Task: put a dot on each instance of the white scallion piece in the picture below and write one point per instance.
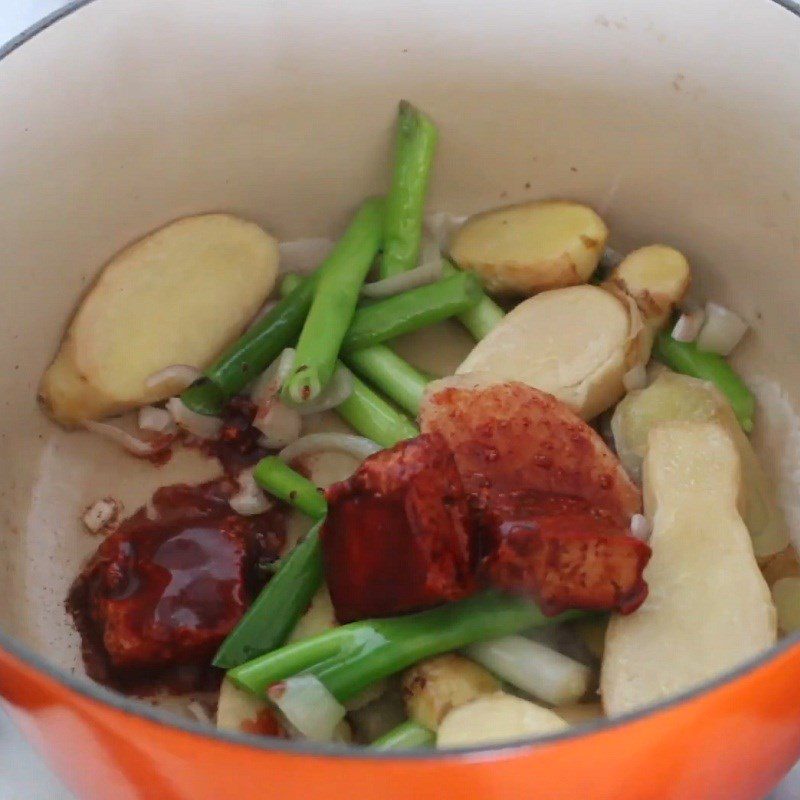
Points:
(269, 383)
(688, 325)
(250, 499)
(101, 514)
(441, 225)
(722, 330)
(308, 706)
(280, 425)
(357, 446)
(428, 271)
(534, 668)
(158, 420)
(134, 445)
(175, 377)
(640, 527)
(200, 425)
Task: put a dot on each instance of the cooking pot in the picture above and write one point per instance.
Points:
(679, 122)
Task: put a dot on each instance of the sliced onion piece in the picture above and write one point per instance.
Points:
(640, 527)
(308, 706)
(200, 425)
(722, 330)
(786, 596)
(174, 377)
(441, 226)
(199, 712)
(303, 256)
(134, 445)
(101, 514)
(279, 424)
(357, 446)
(688, 325)
(335, 393)
(269, 383)
(635, 378)
(534, 668)
(250, 499)
(429, 271)
(158, 420)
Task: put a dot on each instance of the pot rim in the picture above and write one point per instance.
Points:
(134, 707)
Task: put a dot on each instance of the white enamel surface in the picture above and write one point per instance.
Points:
(678, 122)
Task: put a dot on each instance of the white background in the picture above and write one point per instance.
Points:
(22, 774)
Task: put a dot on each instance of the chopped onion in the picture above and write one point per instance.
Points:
(101, 514)
(640, 527)
(303, 256)
(635, 378)
(722, 331)
(356, 446)
(441, 226)
(199, 712)
(269, 383)
(156, 419)
(134, 445)
(335, 393)
(534, 668)
(280, 424)
(250, 499)
(200, 425)
(786, 596)
(175, 377)
(308, 706)
(428, 271)
(688, 325)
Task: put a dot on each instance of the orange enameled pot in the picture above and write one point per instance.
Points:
(678, 121)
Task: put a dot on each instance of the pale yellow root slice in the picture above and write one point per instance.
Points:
(708, 609)
(319, 617)
(656, 277)
(236, 708)
(673, 397)
(177, 296)
(574, 343)
(526, 248)
(496, 718)
(433, 688)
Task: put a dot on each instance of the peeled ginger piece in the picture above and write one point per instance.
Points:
(708, 608)
(573, 343)
(526, 248)
(496, 718)
(177, 296)
(673, 397)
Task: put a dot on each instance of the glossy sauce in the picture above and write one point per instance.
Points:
(165, 590)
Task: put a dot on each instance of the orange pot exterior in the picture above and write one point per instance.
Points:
(734, 742)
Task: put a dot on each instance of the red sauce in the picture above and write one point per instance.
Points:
(237, 446)
(160, 594)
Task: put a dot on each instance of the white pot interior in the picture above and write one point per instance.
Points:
(678, 122)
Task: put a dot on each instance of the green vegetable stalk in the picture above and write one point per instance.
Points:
(280, 480)
(374, 417)
(405, 204)
(335, 296)
(686, 358)
(405, 736)
(251, 354)
(396, 378)
(483, 316)
(350, 658)
(286, 597)
(411, 310)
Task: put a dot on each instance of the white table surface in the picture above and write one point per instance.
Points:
(22, 774)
